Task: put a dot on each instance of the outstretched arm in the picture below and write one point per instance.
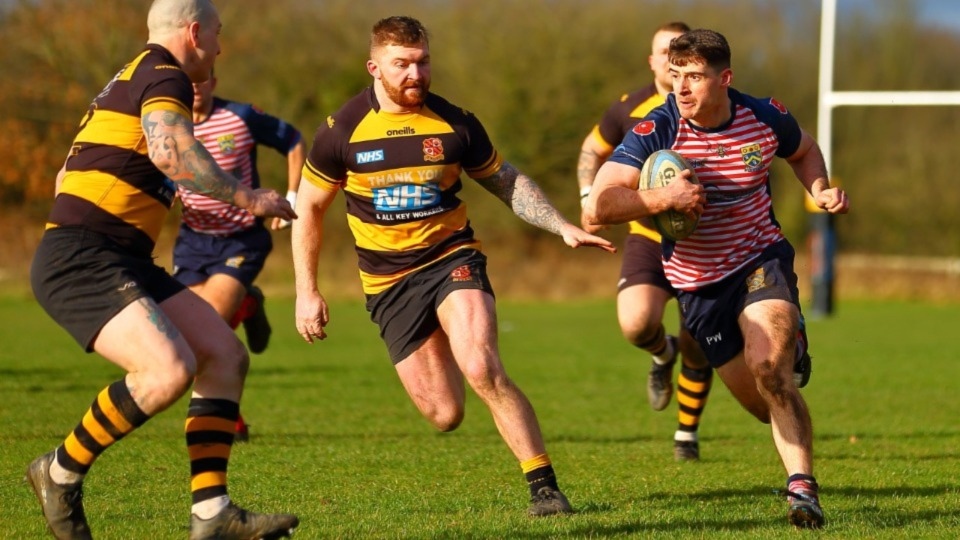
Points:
(174, 150)
(527, 200)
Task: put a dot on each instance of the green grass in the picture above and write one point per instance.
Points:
(335, 439)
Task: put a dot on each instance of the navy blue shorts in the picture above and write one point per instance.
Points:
(712, 312)
(197, 256)
(407, 311)
(642, 264)
(82, 279)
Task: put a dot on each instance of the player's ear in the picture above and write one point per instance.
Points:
(726, 77)
(193, 32)
(373, 69)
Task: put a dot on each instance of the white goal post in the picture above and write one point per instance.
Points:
(822, 240)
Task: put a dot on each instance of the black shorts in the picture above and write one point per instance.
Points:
(711, 313)
(197, 256)
(83, 279)
(642, 264)
(407, 311)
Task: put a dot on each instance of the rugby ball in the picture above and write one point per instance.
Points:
(661, 168)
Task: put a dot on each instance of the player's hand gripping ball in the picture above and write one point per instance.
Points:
(661, 168)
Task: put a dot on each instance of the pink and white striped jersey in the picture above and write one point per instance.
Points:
(732, 162)
(231, 135)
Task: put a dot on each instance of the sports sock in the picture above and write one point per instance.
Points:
(659, 346)
(804, 485)
(693, 387)
(804, 482)
(112, 416)
(539, 473)
(209, 430)
(247, 308)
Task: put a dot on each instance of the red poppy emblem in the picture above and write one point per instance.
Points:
(645, 128)
(779, 106)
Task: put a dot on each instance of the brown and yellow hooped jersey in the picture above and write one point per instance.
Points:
(110, 185)
(400, 174)
(617, 122)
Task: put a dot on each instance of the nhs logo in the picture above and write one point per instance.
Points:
(369, 156)
(406, 197)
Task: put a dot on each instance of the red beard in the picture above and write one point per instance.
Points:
(408, 96)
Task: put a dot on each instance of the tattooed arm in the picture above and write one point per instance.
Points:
(527, 200)
(524, 197)
(174, 150)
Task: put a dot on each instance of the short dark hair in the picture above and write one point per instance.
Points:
(701, 45)
(398, 30)
(673, 26)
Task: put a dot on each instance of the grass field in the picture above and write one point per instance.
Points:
(335, 440)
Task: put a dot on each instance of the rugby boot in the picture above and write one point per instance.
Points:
(235, 523)
(242, 431)
(660, 379)
(686, 450)
(62, 503)
(805, 511)
(256, 326)
(549, 501)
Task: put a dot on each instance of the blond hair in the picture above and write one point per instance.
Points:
(167, 16)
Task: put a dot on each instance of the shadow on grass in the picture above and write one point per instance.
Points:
(30, 372)
(864, 437)
(865, 512)
(593, 439)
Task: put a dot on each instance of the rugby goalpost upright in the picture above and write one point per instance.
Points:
(822, 238)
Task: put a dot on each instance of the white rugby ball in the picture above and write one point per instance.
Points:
(661, 168)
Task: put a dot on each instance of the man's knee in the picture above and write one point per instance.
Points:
(446, 418)
(485, 378)
(163, 386)
(223, 358)
(770, 379)
(639, 326)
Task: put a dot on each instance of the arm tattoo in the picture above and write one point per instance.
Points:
(524, 197)
(192, 166)
(156, 317)
(587, 167)
(206, 176)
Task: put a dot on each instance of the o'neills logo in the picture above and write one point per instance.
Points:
(405, 131)
(432, 149)
(461, 273)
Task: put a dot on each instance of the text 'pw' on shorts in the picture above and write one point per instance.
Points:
(711, 313)
(407, 311)
(197, 256)
(83, 279)
(642, 264)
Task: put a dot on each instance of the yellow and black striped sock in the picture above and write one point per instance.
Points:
(209, 429)
(539, 473)
(693, 387)
(112, 416)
